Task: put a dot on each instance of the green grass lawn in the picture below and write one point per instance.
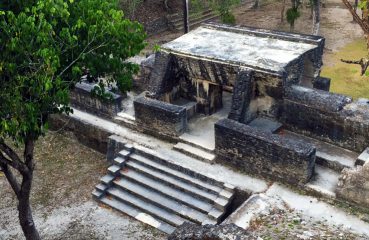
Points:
(345, 77)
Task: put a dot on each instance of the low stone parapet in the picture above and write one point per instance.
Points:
(160, 118)
(264, 154)
(330, 117)
(81, 98)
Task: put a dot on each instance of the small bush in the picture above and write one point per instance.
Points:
(228, 18)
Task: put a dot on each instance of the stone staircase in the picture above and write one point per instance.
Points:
(175, 21)
(161, 193)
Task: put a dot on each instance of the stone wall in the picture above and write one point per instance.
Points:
(160, 118)
(81, 98)
(353, 185)
(241, 98)
(329, 117)
(322, 83)
(89, 135)
(264, 154)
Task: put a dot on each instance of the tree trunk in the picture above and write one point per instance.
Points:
(282, 11)
(24, 208)
(186, 24)
(25, 213)
(355, 8)
(316, 17)
(256, 4)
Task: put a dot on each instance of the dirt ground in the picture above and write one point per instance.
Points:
(65, 175)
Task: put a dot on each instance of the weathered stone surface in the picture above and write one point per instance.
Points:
(264, 154)
(254, 207)
(162, 78)
(322, 83)
(353, 185)
(318, 99)
(115, 144)
(327, 116)
(82, 99)
(160, 118)
(241, 98)
(189, 231)
(244, 46)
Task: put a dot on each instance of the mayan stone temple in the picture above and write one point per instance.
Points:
(220, 121)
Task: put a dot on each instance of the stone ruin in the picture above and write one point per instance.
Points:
(248, 98)
(277, 92)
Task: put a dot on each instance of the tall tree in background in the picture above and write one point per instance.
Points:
(364, 24)
(45, 44)
(315, 5)
(293, 13)
(283, 10)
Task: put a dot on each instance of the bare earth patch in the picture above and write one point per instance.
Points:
(65, 175)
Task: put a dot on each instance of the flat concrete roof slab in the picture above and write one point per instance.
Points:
(240, 48)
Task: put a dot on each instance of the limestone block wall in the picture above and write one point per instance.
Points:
(160, 118)
(330, 117)
(82, 99)
(353, 185)
(262, 153)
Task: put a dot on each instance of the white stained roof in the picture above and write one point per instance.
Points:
(239, 48)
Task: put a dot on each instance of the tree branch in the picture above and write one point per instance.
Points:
(29, 147)
(364, 25)
(363, 62)
(15, 161)
(9, 175)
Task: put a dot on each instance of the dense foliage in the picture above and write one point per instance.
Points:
(45, 45)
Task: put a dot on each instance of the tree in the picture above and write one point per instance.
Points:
(315, 6)
(283, 10)
(293, 13)
(45, 45)
(364, 24)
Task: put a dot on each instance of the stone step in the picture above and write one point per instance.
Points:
(165, 158)
(161, 200)
(146, 207)
(324, 182)
(169, 192)
(187, 139)
(194, 152)
(328, 155)
(139, 215)
(125, 120)
(176, 174)
(172, 182)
